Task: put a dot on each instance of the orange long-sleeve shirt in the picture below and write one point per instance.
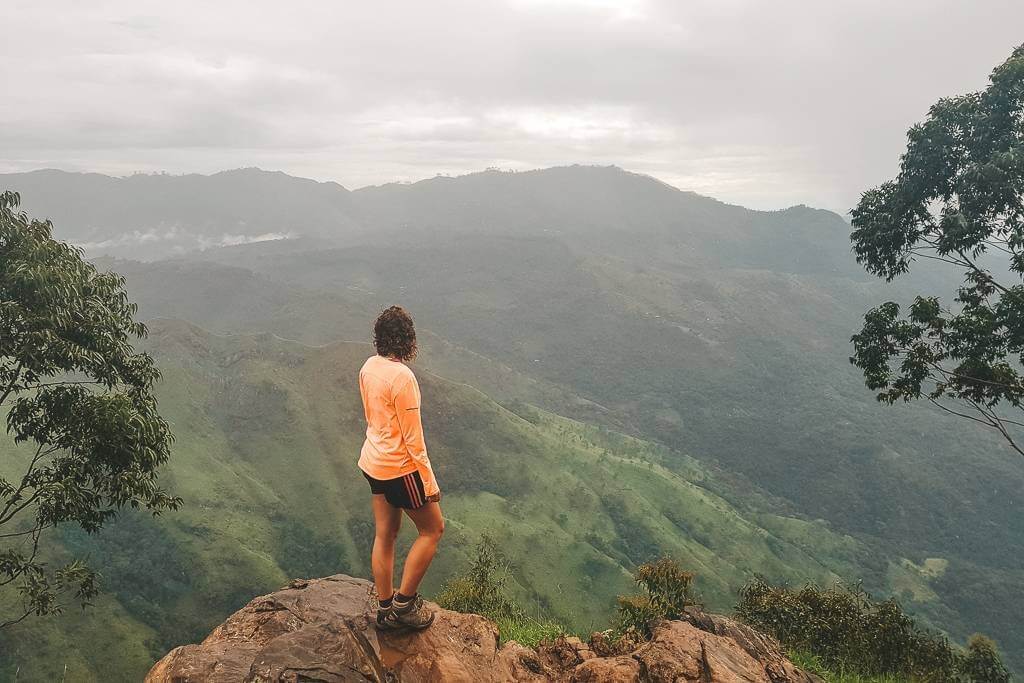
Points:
(394, 445)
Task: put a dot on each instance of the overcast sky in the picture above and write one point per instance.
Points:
(765, 104)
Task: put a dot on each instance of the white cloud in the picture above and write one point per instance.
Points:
(177, 239)
(234, 240)
(764, 104)
(616, 9)
(583, 124)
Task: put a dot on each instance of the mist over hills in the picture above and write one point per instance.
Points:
(603, 313)
(156, 216)
(153, 216)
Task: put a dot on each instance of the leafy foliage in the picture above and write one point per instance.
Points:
(982, 661)
(482, 591)
(668, 590)
(81, 408)
(959, 199)
(845, 630)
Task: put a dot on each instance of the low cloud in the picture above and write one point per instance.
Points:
(176, 240)
(235, 240)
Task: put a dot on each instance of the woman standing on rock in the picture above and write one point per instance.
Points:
(394, 462)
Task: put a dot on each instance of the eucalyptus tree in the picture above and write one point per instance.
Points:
(958, 199)
(85, 439)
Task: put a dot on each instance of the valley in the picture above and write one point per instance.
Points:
(612, 370)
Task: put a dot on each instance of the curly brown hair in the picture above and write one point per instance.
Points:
(394, 334)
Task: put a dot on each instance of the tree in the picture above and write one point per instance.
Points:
(982, 663)
(958, 199)
(79, 405)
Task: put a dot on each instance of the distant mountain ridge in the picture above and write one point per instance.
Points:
(154, 216)
(157, 216)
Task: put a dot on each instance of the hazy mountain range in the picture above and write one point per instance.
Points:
(680, 362)
(157, 216)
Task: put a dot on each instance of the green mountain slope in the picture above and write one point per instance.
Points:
(748, 367)
(614, 299)
(267, 436)
(729, 345)
(757, 385)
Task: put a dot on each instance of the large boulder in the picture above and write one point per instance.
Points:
(321, 630)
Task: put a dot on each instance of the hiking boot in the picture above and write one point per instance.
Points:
(412, 615)
(382, 622)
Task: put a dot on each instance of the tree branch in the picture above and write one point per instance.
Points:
(33, 530)
(23, 485)
(922, 254)
(981, 271)
(27, 563)
(61, 384)
(1000, 247)
(996, 422)
(957, 375)
(5, 517)
(957, 413)
(12, 622)
(14, 380)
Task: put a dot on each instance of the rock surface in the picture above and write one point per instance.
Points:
(320, 630)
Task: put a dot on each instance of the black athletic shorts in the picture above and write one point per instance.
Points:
(404, 492)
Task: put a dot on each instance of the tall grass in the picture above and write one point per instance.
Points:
(812, 664)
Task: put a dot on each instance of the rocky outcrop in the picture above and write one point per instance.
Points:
(320, 630)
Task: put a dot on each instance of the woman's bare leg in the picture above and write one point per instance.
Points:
(388, 520)
(430, 524)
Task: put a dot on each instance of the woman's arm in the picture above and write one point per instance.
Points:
(407, 404)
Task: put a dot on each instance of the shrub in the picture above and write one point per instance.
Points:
(668, 590)
(845, 630)
(669, 587)
(481, 590)
(982, 662)
(636, 612)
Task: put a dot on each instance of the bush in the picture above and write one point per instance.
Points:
(982, 662)
(668, 590)
(636, 612)
(482, 591)
(669, 587)
(845, 630)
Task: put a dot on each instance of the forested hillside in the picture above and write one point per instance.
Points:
(591, 303)
(266, 430)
